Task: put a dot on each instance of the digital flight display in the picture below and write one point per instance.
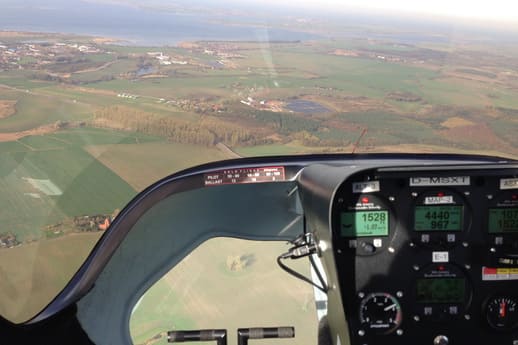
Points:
(364, 223)
(438, 218)
(503, 220)
(441, 290)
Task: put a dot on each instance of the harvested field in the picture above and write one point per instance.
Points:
(454, 122)
(7, 108)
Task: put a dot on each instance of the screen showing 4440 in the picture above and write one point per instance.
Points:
(364, 223)
(438, 218)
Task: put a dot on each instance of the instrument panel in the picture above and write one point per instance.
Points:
(428, 256)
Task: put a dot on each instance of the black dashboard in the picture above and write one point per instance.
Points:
(416, 249)
(428, 255)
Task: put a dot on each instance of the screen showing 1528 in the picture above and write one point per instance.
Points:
(364, 223)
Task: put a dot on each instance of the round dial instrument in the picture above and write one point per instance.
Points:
(502, 313)
(380, 313)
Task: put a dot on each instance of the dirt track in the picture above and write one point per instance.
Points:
(35, 131)
(7, 108)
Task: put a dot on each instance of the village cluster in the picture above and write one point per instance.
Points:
(17, 55)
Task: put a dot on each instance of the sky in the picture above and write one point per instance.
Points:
(487, 9)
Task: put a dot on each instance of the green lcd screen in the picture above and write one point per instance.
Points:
(441, 290)
(503, 220)
(438, 218)
(364, 223)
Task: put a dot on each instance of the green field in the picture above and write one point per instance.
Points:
(140, 165)
(170, 88)
(34, 110)
(99, 179)
(114, 70)
(12, 147)
(21, 80)
(195, 294)
(95, 136)
(401, 130)
(33, 274)
(101, 98)
(272, 150)
(96, 171)
(86, 185)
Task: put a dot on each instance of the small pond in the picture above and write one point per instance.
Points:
(306, 107)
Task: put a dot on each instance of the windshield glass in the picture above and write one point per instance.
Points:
(100, 98)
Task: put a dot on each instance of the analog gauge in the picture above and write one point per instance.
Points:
(502, 313)
(380, 313)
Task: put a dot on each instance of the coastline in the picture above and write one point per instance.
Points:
(15, 34)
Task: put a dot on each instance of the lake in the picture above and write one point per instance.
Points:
(133, 24)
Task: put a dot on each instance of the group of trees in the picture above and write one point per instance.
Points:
(210, 130)
(206, 131)
(42, 75)
(310, 131)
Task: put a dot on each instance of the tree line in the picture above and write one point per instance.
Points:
(206, 131)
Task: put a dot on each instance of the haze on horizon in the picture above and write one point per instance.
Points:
(476, 9)
(493, 11)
